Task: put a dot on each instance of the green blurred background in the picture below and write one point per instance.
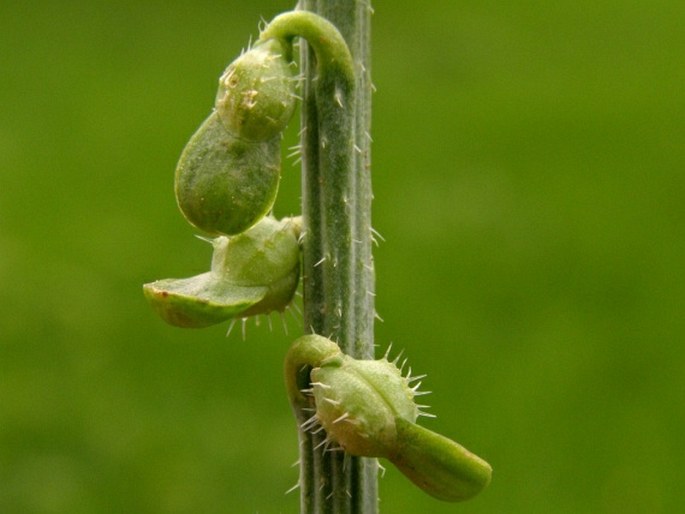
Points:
(528, 173)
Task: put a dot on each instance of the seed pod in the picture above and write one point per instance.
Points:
(368, 408)
(225, 184)
(369, 394)
(256, 96)
(255, 272)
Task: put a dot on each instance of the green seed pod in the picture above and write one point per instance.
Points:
(256, 96)
(225, 184)
(368, 408)
(368, 395)
(252, 273)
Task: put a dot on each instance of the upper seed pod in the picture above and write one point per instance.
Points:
(255, 272)
(225, 184)
(256, 96)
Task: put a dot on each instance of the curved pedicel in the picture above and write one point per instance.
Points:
(333, 55)
(255, 272)
(367, 407)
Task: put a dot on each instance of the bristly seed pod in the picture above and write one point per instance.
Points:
(253, 273)
(256, 96)
(367, 407)
(371, 394)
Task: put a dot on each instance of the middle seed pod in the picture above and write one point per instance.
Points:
(228, 174)
(252, 273)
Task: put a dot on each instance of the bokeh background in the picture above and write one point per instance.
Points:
(528, 173)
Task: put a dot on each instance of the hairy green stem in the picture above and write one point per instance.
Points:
(336, 197)
(337, 211)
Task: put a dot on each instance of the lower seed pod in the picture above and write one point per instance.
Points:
(367, 407)
(253, 273)
(225, 184)
(368, 395)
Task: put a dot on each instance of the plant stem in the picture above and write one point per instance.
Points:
(338, 265)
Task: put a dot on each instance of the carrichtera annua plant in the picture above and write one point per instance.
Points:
(226, 184)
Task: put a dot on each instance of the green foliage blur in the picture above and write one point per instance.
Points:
(528, 174)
